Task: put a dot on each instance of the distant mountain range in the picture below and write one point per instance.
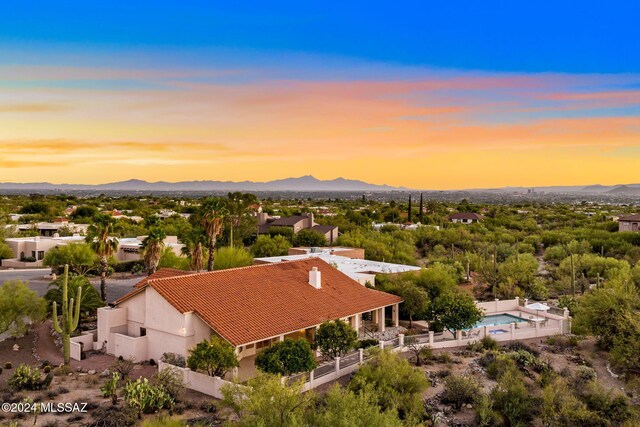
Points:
(303, 183)
(306, 183)
(597, 189)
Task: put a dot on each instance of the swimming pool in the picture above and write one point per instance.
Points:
(498, 319)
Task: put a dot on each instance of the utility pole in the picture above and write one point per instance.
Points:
(421, 209)
(409, 212)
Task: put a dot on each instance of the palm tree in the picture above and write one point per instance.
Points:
(238, 206)
(90, 298)
(99, 237)
(152, 247)
(194, 248)
(212, 213)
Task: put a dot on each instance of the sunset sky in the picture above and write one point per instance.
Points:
(466, 94)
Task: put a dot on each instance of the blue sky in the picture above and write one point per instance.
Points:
(556, 36)
(432, 95)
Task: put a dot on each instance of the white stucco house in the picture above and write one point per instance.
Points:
(250, 307)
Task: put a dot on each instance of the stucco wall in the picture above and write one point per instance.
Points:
(131, 347)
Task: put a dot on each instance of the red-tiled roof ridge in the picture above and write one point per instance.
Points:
(226, 270)
(163, 273)
(250, 307)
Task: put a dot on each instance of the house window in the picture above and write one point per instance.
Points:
(40, 254)
(143, 332)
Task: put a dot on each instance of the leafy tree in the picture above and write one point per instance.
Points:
(335, 338)
(19, 306)
(416, 300)
(397, 385)
(267, 246)
(35, 208)
(512, 400)
(5, 251)
(267, 402)
(287, 357)
(100, 237)
(80, 258)
(281, 231)
(456, 311)
(345, 408)
(152, 247)
(215, 357)
(309, 237)
(90, 299)
(85, 212)
(229, 257)
(169, 259)
(211, 215)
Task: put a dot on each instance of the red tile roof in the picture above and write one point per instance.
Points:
(633, 217)
(249, 304)
(163, 272)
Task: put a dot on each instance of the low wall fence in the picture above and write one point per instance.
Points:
(211, 386)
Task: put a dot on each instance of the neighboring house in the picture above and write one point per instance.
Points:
(168, 213)
(350, 261)
(130, 248)
(629, 222)
(250, 307)
(49, 229)
(297, 223)
(29, 252)
(465, 217)
(406, 226)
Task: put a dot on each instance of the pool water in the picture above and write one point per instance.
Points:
(498, 319)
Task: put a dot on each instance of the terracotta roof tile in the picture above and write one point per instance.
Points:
(258, 302)
(163, 272)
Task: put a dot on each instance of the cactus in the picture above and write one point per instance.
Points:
(70, 317)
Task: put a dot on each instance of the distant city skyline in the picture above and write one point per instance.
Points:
(421, 96)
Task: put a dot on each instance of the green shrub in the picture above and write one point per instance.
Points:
(512, 400)
(489, 343)
(500, 365)
(26, 378)
(144, 397)
(366, 343)
(47, 369)
(8, 365)
(110, 388)
(459, 390)
(287, 357)
(174, 359)
(172, 381)
(485, 415)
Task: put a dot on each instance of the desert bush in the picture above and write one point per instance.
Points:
(46, 369)
(512, 400)
(459, 390)
(485, 415)
(110, 388)
(609, 404)
(174, 359)
(8, 365)
(527, 360)
(501, 364)
(26, 378)
(113, 416)
(123, 366)
(144, 397)
(519, 345)
(171, 381)
(489, 343)
(63, 370)
(582, 376)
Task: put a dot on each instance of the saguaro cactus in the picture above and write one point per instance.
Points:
(70, 317)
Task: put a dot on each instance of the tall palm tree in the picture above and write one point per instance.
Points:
(152, 247)
(212, 213)
(238, 206)
(100, 237)
(194, 248)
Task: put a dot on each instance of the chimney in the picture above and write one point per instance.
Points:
(315, 278)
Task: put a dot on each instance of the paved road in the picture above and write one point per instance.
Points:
(36, 278)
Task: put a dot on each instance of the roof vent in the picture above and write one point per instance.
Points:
(315, 278)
